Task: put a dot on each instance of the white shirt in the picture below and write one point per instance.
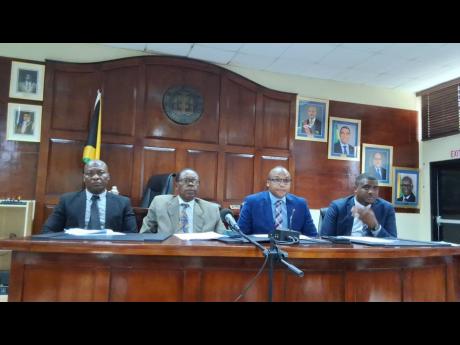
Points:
(188, 211)
(358, 225)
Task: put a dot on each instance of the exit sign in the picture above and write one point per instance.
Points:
(455, 154)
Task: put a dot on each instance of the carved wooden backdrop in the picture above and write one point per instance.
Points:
(245, 130)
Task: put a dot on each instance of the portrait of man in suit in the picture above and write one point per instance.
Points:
(24, 123)
(376, 169)
(407, 190)
(27, 81)
(342, 146)
(312, 126)
(311, 119)
(377, 162)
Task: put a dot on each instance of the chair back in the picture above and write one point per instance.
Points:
(157, 185)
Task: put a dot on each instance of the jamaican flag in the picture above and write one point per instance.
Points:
(92, 148)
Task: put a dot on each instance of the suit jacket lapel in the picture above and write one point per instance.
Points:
(349, 219)
(289, 207)
(267, 212)
(198, 219)
(173, 212)
(81, 209)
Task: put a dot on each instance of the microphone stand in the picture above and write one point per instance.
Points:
(274, 254)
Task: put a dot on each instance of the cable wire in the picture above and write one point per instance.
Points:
(253, 280)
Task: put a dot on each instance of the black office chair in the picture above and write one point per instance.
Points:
(322, 214)
(157, 185)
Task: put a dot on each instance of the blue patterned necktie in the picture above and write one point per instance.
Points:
(183, 219)
(278, 214)
(94, 220)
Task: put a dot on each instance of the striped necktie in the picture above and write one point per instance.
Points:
(278, 214)
(183, 219)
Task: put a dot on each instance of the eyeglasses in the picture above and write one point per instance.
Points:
(189, 181)
(279, 180)
(406, 185)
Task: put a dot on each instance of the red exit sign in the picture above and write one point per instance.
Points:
(455, 154)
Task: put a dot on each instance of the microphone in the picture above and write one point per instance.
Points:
(227, 216)
(290, 219)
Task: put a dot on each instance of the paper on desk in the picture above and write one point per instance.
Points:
(210, 235)
(368, 239)
(85, 232)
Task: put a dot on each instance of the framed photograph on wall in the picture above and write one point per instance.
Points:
(406, 187)
(378, 162)
(344, 139)
(27, 80)
(311, 119)
(23, 122)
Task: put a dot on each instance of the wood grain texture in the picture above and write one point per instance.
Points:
(176, 270)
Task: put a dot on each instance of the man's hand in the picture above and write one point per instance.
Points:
(366, 215)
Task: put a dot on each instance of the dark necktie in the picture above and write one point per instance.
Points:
(94, 220)
(345, 149)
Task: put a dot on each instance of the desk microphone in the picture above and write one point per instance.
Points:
(227, 216)
(290, 219)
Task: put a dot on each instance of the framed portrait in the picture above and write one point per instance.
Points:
(406, 187)
(311, 119)
(23, 122)
(344, 139)
(27, 81)
(378, 162)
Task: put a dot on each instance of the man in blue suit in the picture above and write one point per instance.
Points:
(266, 211)
(361, 214)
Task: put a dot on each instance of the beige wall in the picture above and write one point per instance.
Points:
(409, 225)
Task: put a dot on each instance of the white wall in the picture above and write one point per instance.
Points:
(432, 151)
(409, 225)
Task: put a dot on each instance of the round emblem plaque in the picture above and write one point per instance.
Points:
(183, 104)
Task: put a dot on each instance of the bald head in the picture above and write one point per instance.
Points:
(96, 176)
(279, 181)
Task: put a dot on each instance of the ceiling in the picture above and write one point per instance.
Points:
(408, 67)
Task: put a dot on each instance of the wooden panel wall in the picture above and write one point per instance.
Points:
(18, 160)
(245, 130)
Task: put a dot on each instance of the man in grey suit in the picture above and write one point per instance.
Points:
(183, 212)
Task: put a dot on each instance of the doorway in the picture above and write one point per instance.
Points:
(445, 200)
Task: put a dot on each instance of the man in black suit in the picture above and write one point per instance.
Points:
(377, 170)
(406, 189)
(94, 207)
(26, 125)
(342, 146)
(312, 126)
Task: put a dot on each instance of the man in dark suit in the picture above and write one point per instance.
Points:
(312, 126)
(94, 207)
(376, 169)
(406, 189)
(26, 125)
(266, 211)
(361, 214)
(342, 146)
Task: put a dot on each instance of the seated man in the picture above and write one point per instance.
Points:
(184, 212)
(92, 208)
(266, 211)
(361, 214)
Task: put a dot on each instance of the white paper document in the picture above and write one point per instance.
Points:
(211, 235)
(85, 232)
(368, 239)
